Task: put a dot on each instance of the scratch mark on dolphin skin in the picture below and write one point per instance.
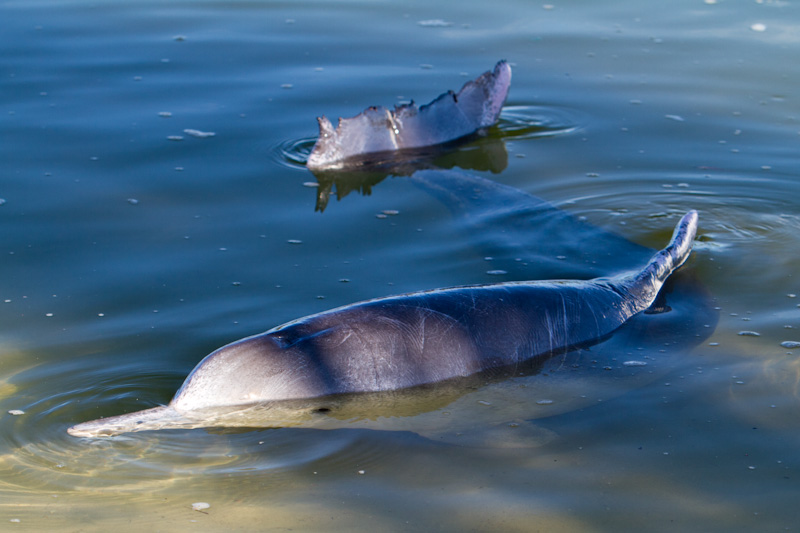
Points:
(549, 322)
(564, 311)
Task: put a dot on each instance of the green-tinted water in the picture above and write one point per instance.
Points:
(129, 256)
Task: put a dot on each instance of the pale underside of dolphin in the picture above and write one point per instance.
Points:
(296, 374)
(377, 129)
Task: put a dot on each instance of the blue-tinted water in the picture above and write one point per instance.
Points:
(129, 254)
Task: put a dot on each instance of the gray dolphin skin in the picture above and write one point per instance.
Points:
(449, 117)
(286, 375)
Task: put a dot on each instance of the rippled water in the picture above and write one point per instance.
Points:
(133, 248)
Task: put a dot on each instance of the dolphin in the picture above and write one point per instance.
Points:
(297, 374)
(515, 228)
(378, 130)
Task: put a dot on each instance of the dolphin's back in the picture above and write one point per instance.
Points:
(426, 337)
(404, 341)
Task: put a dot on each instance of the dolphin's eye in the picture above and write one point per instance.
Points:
(322, 410)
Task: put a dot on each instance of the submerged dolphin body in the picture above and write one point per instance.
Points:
(515, 228)
(293, 373)
(378, 130)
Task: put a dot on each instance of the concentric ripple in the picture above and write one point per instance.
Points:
(36, 453)
(293, 153)
(530, 121)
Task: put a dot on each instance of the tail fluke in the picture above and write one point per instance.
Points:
(378, 130)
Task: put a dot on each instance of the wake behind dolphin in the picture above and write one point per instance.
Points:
(284, 376)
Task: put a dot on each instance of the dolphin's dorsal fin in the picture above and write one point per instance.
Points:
(645, 285)
(677, 252)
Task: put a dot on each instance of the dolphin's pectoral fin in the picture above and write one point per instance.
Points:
(659, 305)
(510, 434)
